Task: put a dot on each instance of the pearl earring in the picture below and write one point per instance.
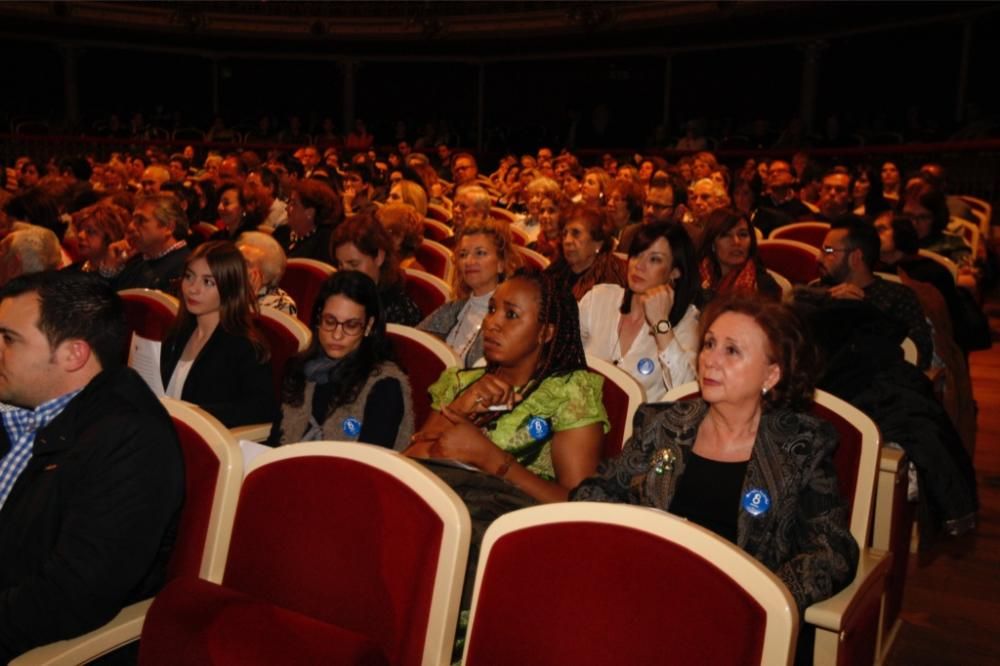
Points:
(763, 390)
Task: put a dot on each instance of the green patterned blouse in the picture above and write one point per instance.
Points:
(564, 402)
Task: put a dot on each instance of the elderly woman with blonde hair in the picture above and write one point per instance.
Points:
(537, 190)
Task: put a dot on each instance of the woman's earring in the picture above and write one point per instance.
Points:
(763, 390)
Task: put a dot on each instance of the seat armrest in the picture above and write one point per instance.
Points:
(892, 480)
(121, 630)
(834, 614)
(257, 432)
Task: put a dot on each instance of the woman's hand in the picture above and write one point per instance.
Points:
(487, 391)
(118, 253)
(461, 441)
(657, 303)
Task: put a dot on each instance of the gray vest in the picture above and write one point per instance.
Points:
(295, 420)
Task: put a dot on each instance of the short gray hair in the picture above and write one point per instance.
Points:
(36, 248)
(478, 196)
(272, 261)
(167, 210)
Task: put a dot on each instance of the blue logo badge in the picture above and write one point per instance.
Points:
(645, 366)
(351, 426)
(756, 502)
(538, 428)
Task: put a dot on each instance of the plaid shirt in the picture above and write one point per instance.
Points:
(22, 425)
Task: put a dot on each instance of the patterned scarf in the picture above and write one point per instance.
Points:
(743, 280)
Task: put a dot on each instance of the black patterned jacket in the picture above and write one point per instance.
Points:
(803, 538)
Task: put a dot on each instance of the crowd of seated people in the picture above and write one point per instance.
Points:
(653, 266)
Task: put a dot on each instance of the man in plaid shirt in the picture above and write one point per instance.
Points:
(91, 473)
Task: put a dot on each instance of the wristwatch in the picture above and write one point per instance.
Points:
(662, 326)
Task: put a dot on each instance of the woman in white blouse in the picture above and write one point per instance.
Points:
(484, 256)
(650, 328)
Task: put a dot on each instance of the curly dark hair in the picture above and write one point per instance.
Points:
(564, 353)
(349, 375)
(791, 347)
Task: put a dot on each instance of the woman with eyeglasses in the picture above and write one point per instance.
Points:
(344, 387)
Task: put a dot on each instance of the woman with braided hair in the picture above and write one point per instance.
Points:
(533, 418)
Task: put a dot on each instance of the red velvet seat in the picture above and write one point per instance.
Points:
(427, 291)
(148, 314)
(436, 229)
(302, 280)
(436, 258)
(439, 213)
(848, 626)
(796, 261)
(810, 233)
(423, 357)
(213, 470)
(532, 259)
(337, 547)
(286, 336)
(594, 584)
(622, 396)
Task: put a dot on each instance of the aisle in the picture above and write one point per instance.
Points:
(951, 608)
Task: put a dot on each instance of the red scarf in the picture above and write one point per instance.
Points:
(743, 280)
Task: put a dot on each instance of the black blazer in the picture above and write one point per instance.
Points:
(226, 379)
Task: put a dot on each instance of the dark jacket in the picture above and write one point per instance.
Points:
(804, 537)
(164, 273)
(226, 379)
(89, 525)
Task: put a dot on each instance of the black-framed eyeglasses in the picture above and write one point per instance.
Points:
(351, 327)
(826, 249)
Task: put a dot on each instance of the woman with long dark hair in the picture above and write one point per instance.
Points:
(649, 328)
(344, 387)
(729, 262)
(214, 356)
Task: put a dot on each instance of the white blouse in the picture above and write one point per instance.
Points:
(176, 386)
(656, 371)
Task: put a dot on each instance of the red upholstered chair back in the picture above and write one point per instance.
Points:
(856, 458)
(427, 291)
(436, 229)
(590, 583)
(438, 213)
(621, 395)
(354, 536)
(213, 470)
(532, 259)
(148, 312)
(810, 233)
(302, 280)
(286, 336)
(423, 358)
(436, 258)
(204, 230)
(796, 261)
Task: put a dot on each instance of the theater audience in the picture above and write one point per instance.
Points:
(214, 355)
(650, 327)
(728, 258)
(266, 265)
(548, 438)
(28, 249)
(586, 251)
(405, 226)
(154, 249)
(313, 211)
(97, 228)
(484, 256)
(849, 253)
(344, 387)
(717, 460)
(360, 243)
(93, 473)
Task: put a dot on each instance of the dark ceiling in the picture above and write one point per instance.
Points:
(499, 30)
